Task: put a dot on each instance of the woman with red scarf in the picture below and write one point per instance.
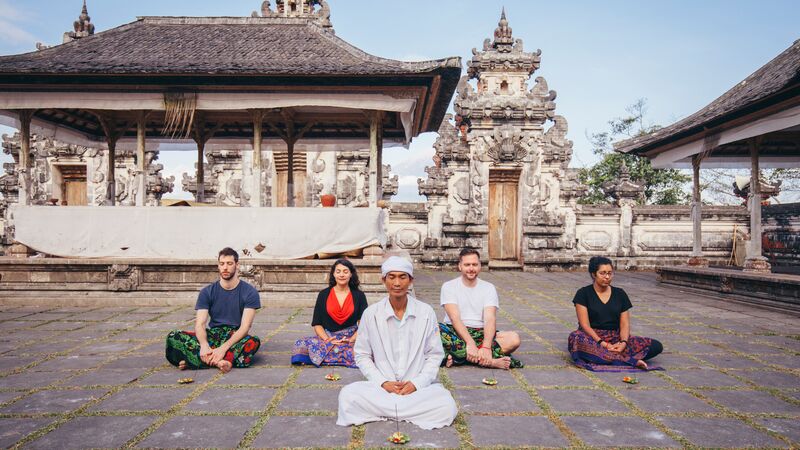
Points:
(336, 314)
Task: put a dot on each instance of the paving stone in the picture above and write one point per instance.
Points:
(13, 430)
(787, 427)
(703, 377)
(109, 326)
(105, 377)
(96, 316)
(527, 431)
(646, 380)
(93, 432)
(49, 347)
(136, 362)
(232, 400)
(581, 401)
(560, 377)
(257, 376)
(771, 378)
(490, 400)
(783, 361)
(325, 432)
(106, 348)
(668, 401)
(62, 326)
(170, 376)
(142, 399)
(727, 361)
(618, 432)
(200, 432)
(156, 348)
(7, 396)
(378, 432)
(669, 361)
(71, 362)
(29, 379)
(272, 359)
(316, 375)
(473, 376)
(55, 401)
(9, 363)
(752, 402)
(534, 360)
(707, 432)
(310, 399)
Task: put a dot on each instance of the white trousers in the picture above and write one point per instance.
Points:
(363, 401)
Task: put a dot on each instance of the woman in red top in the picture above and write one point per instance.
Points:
(336, 314)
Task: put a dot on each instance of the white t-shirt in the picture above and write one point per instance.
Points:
(470, 300)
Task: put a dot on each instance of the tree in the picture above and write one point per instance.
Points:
(661, 186)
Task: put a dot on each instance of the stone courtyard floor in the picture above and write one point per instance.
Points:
(82, 377)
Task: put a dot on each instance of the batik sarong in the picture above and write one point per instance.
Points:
(590, 355)
(184, 346)
(457, 347)
(313, 350)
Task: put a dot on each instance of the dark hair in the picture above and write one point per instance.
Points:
(468, 251)
(353, 283)
(227, 251)
(596, 261)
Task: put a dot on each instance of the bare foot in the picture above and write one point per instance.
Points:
(449, 362)
(641, 364)
(182, 365)
(224, 366)
(501, 363)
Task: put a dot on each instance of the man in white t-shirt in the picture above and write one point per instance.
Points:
(469, 332)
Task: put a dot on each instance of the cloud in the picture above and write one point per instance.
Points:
(10, 32)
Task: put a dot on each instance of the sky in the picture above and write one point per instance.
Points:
(599, 56)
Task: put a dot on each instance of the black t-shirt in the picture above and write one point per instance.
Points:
(603, 316)
(321, 316)
(226, 307)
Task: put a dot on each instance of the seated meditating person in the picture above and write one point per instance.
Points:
(399, 351)
(228, 306)
(335, 322)
(603, 341)
(469, 331)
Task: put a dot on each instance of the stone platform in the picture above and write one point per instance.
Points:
(772, 290)
(95, 377)
(143, 282)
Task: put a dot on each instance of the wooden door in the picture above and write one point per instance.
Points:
(76, 193)
(503, 233)
(279, 188)
(73, 189)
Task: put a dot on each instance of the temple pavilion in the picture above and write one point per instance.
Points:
(271, 91)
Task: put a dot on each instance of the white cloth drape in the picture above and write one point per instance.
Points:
(195, 233)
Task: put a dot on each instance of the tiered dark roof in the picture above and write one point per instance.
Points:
(776, 81)
(263, 46)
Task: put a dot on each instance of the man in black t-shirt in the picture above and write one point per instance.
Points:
(228, 306)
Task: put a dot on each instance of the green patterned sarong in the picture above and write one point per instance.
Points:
(184, 346)
(457, 348)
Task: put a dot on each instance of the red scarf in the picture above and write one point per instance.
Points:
(337, 313)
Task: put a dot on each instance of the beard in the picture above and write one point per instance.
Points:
(227, 276)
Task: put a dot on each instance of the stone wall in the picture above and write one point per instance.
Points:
(781, 236)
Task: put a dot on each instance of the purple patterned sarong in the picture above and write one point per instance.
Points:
(590, 355)
(313, 350)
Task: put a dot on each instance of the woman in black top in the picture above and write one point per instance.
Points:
(602, 341)
(336, 314)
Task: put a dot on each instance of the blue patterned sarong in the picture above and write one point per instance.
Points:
(313, 350)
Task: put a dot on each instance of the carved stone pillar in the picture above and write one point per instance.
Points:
(141, 174)
(375, 143)
(697, 259)
(755, 261)
(626, 193)
(24, 170)
(255, 195)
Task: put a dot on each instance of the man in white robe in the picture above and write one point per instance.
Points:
(399, 351)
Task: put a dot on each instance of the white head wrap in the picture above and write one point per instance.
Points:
(397, 264)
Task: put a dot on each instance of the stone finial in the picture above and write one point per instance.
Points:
(82, 27)
(623, 190)
(503, 41)
(312, 9)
